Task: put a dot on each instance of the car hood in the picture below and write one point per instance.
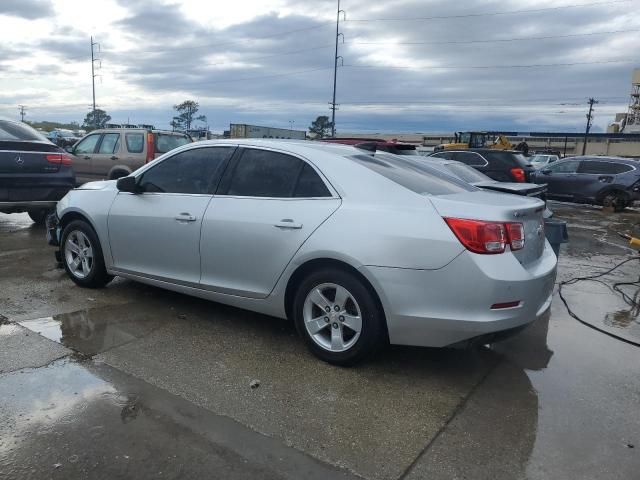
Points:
(101, 185)
(528, 189)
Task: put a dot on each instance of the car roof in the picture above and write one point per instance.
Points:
(293, 146)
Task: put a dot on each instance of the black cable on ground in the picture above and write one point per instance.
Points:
(633, 302)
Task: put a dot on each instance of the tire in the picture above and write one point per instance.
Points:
(90, 272)
(341, 320)
(118, 174)
(614, 200)
(38, 216)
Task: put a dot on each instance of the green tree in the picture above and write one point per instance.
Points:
(96, 119)
(320, 127)
(186, 115)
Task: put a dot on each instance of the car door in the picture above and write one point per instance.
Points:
(84, 151)
(268, 204)
(106, 156)
(560, 178)
(593, 176)
(156, 232)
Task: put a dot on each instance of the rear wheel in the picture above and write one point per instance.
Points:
(338, 317)
(615, 200)
(39, 215)
(82, 255)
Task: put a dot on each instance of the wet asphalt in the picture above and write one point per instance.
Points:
(135, 382)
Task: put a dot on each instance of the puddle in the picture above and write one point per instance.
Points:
(99, 329)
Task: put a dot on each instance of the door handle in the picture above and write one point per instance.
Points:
(86, 157)
(185, 217)
(288, 223)
(114, 158)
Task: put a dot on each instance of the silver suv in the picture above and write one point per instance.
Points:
(111, 153)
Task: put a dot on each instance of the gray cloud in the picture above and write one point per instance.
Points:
(29, 9)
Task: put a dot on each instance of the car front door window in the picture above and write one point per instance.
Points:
(87, 145)
(570, 166)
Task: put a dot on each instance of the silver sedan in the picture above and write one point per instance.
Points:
(357, 251)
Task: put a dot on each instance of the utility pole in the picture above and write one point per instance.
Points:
(592, 101)
(22, 112)
(335, 72)
(93, 80)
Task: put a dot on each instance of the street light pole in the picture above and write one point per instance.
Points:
(592, 101)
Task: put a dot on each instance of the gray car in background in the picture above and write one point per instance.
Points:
(355, 249)
(609, 181)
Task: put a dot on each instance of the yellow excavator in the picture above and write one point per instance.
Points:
(464, 140)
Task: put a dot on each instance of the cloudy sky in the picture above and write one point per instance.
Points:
(409, 65)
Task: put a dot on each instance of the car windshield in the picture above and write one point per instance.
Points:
(467, 173)
(167, 142)
(15, 131)
(413, 174)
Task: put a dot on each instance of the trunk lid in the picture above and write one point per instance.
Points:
(496, 207)
(27, 157)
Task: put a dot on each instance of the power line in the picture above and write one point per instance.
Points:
(499, 40)
(589, 122)
(459, 67)
(486, 14)
(23, 112)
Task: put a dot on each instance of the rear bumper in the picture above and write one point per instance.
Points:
(437, 308)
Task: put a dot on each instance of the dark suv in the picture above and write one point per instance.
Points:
(501, 165)
(608, 181)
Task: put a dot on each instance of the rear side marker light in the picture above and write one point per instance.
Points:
(501, 306)
(484, 237)
(518, 175)
(58, 159)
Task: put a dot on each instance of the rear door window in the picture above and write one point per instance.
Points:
(167, 142)
(310, 185)
(195, 171)
(470, 158)
(135, 142)
(596, 167)
(414, 175)
(87, 144)
(110, 143)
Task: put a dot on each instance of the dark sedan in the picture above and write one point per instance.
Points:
(34, 173)
(609, 181)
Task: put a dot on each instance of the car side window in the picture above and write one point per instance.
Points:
(596, 167)
(263, 173)
(568, 166)
(470, 158)
(135, 142)
(195, 171)
(110, 143)
(87, 144)
(310, 185)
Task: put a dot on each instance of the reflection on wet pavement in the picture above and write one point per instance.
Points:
(98, 329)
(79, 420)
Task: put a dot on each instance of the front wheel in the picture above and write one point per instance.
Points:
(82, 255)
(617, 201)
(338, 317)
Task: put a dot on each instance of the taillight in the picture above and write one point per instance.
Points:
(479, 236)
(151, 150)
(58, 158)
(518, 174)
(515, 232)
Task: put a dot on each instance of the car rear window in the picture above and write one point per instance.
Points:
(413, 174)
(512, 158)
(466, 173)
(166, 142)
(12, 131)
(135, 142)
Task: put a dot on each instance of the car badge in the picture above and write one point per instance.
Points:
(19, 160)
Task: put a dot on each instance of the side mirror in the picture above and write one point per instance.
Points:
(68, 149)
(127, 184)
(546, 171)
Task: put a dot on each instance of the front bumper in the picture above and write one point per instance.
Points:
(437, 308)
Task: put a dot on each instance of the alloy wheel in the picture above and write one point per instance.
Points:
(78, 254)
(332, 317)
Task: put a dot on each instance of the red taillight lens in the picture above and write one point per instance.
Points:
(58, 158)
(518, 174)
(151, 150)
(479, 236)
(515, 232)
